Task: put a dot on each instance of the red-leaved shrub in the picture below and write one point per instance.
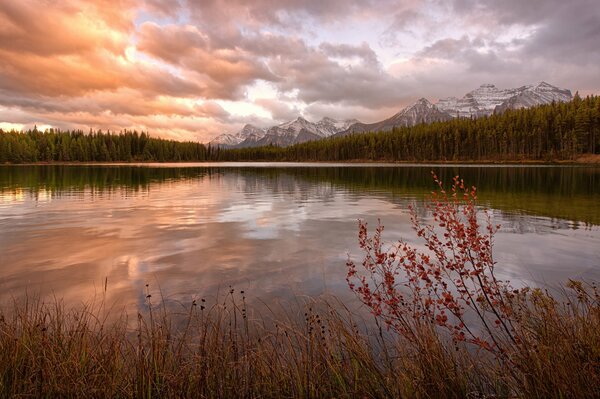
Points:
(450, 284)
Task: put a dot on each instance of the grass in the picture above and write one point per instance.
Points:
(227, 350)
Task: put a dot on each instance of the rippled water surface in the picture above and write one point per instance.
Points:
(272, 230)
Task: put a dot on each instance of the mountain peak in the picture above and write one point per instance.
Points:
(545, 86)
(300, 130)
(249, 129)
(542, 93)
(248, 132)
(423, 101)
(488, 99)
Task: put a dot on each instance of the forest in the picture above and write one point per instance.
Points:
(546, 133)
(76, 146)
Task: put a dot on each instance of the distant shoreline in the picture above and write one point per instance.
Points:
(586, 160)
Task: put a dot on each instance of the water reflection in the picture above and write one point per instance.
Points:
(271, 231)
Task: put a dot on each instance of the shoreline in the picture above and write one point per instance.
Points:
(586, 160)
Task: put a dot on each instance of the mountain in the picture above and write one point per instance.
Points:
(542, 93)
(485, 100)
(300, 130)
(331, 126)
(488, 99)
(420, 112)
(248, 135)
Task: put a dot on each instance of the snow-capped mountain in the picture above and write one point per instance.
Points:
(420, 112)
(248, 134)
(485, 100)
(225, 139)
(298, 131)
(542, 93)
(329, 126)
(488, 99)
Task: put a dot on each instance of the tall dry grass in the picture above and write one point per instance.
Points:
(225, 350)
(213, 351)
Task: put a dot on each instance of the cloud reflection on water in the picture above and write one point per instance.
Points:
(271, 233)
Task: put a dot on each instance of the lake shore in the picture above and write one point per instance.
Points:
(585, 160)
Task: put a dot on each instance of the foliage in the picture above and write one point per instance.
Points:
(451, 287)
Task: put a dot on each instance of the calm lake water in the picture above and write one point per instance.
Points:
(273, 230)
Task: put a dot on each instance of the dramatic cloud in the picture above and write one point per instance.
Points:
(192, 69)
(222, 72)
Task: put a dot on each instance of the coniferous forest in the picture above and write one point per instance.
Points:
(77, 146)
(553, 132)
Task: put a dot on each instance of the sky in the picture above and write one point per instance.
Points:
(193, 69)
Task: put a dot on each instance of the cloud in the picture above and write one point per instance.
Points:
(402, 22)
(317, 111)
(164, 8)
(62, 29)
(282, 13)
(558, 28)
(363, 52)
(170, 66)
(280, 111)
(316, 76)
(224, 73)
(73, 48)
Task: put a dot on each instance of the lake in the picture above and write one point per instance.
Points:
(274, 230)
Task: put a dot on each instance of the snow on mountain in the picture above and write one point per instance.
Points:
(329, 126)
(422, 111)
(479, 102)
(293, 127)
(488, 99)
(301, 130)
(542, 93)
(248, 134)
(225, 139)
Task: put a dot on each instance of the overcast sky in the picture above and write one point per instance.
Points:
(191, 69)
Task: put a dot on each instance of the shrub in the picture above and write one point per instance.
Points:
(451, 287)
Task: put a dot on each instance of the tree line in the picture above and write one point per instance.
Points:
(76, 146)
(557, 131)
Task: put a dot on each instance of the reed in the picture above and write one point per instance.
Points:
(320, 350)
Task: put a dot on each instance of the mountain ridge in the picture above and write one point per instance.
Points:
(421, 111)
(485, 100)
(488, 99)
(296, 131)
